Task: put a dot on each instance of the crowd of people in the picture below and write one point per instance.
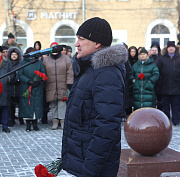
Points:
(154, 79)
(25, 90)
(151, 80)
(106, 83)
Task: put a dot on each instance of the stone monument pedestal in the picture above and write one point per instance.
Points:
(133, 164)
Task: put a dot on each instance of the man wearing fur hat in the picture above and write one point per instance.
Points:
(91, 139)
(11, 41)
(169, 68)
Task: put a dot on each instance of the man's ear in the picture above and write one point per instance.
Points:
(98, 45)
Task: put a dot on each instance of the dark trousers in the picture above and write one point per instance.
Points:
(4, 120)
(172, 101)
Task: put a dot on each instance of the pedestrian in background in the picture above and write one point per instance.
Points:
(133, 58)
(155, 57)
(64, 51)
(14, 55)
(4, 50)
(133, 55)
(11, 41)
(143, 75)
(169, 68)
(91, 138)
(5, 67)
(37, 45)
(60, 78)
(31, 106)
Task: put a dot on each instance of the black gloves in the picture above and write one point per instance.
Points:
(34, 83)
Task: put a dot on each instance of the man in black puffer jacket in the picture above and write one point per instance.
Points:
(91, 143)
(169, 69)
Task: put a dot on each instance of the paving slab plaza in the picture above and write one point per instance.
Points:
(21, 151)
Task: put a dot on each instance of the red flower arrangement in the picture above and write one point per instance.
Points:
(1, 88)
(42, 75)
(42, 171)
(141, 76)
(66, 95)
(39, 76)
(50, 170)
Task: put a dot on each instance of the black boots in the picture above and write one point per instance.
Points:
(35, 127)
(21, 121)
(28, 125)
(6, 130)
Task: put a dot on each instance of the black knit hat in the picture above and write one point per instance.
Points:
(96, 29)
(143, 50)
(171, 44)
(10, 35)
(5, 47)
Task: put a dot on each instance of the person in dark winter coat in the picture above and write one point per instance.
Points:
(31, 106)
(5, 67)
(14, 55)
(133, 55)
(91, 142)
(133, 58)
(169, 68)
(37, 46)
(155, 57)
(143, 75)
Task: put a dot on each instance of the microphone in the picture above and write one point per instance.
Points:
(55, 49)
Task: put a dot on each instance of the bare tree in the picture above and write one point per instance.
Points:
(10, 20)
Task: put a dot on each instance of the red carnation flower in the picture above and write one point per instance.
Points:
(141, 76)
(64, 99)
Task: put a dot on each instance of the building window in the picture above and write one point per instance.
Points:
(162, 31)
(21, 37)
(65, 35)
(64, 32)
(24, 34)
(161, 34)
(119, 36)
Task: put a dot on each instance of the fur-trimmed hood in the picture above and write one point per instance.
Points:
(164, 50)
(109, 56)
(17, 50)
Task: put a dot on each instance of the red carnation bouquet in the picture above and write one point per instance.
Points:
(1, 88)
(66, 95)
(50, 170)
(141, 76)
(39, 76)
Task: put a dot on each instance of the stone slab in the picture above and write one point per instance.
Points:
(133, 164)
